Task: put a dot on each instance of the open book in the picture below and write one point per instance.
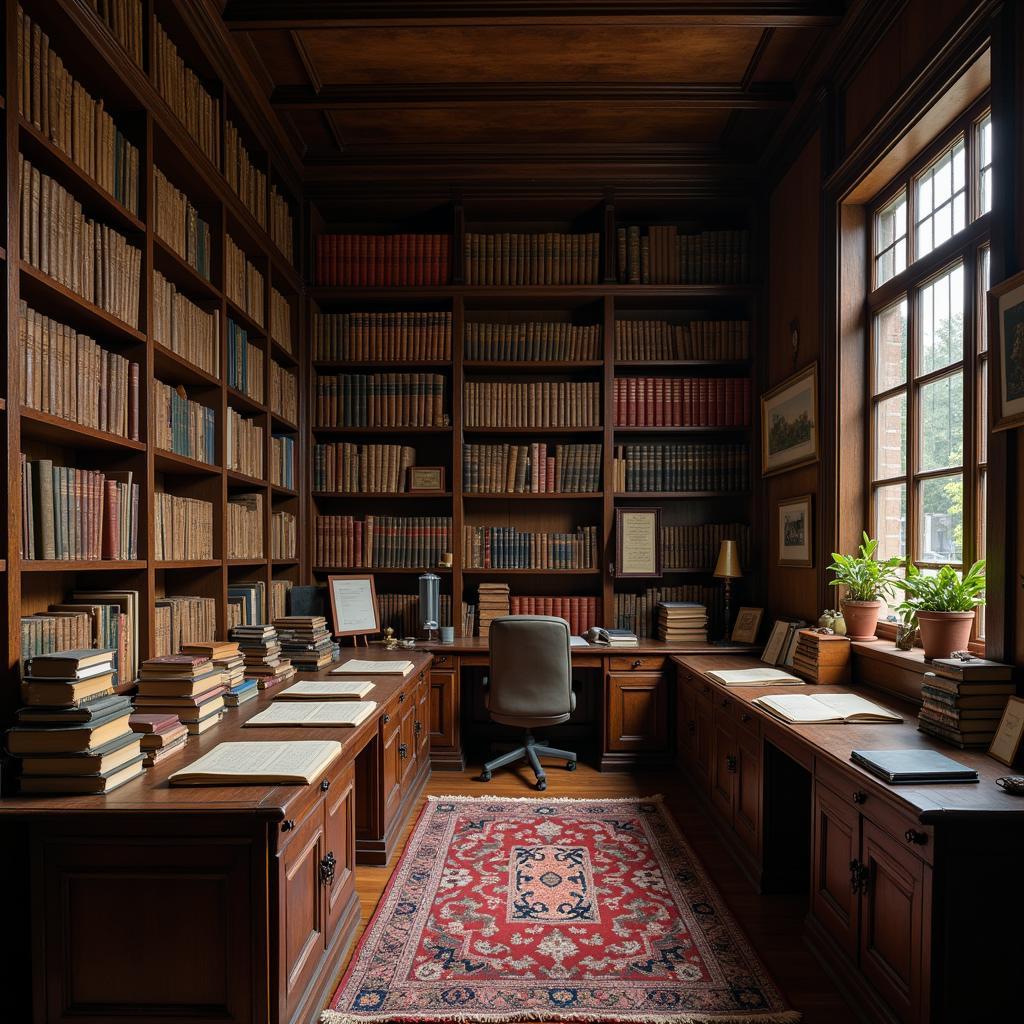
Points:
(754, 677)
(327, 689)
(316, 714)
(802, 709)
(231, 764)
(373, 668)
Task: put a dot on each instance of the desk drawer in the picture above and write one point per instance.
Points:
(637, 663)
(443, 661)
(737, 711)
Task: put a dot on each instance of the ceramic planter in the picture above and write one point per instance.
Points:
(861, 619)
(942, 633)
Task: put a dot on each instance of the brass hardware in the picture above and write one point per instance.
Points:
(859, 796)
(403, 751)
(401, 698)
(417, 727)
(327, 866)
(859, 875)
(637, 663)
(385, 718)
(915, 837)
(287, 825)
(325, 785)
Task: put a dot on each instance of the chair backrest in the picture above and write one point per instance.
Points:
(531, 668)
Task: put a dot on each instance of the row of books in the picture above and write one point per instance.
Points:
(284, 392)
(664, 256)
(45, 633)
(177, 222)
(580, 612)
(638, 468)
(89, 258)
(183, 619)
(505, 547)
(282, 460)
(639, 612)
(380, 400)
(284, 535)
(247, 603)
(244, 445)
(282, 224)
(381, 542)
(513, 258)
(125, 20)
(183, 426)
(533, 341)
(682, 401)
(696, 546)
(381, 260)
(644, 340)
(682, 622)
(281, 320)
(245, 362)
(279, 597)
(243, 282)
(180, 86)
(60, 108)
(388, 337)
(244, 513)
(546, 403)
(68, 374)
(185, 328)
(244, 178)
(529, 468)
(402, 613)
(362, 468)
(492, 603)
(71, 514)
(182, 528)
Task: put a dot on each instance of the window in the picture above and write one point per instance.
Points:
(928, 354)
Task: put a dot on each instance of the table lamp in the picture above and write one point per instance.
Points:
(430, 601)
(728, 568)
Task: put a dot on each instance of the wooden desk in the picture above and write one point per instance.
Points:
(915, 905)
(630, 712)
(211, 903)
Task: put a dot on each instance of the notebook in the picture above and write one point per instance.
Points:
(356, 667)
(315, 714)
(754, 677)
(231, 764)
(896, 766)
(801, 709)
(327, 689)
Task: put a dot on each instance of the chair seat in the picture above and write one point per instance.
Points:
(530, 721)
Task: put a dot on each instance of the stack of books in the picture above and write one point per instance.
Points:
(261, 650)
(963, 701)
(493, 603)
(73, 734)
(306, 641)
(226, 655)
(822, 657)
(682, 622)
(160, 735)
(187, 685)
(618, 638)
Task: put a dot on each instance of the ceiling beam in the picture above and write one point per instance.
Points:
(341, 97)
(253, 15)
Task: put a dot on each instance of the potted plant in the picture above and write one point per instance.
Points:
(868, 581)
(943, 606)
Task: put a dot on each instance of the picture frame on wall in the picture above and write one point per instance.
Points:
(426, 479)
(637, 543)
(354, 609)
(789, 423)
(795, 531)
(747, 626)
(1006, 334)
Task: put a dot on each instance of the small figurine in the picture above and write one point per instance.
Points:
(839, 624)
(826, 618)
(390, 640)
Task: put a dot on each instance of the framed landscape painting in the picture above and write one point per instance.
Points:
(796, 531)
(1006, 332)
(789, 423)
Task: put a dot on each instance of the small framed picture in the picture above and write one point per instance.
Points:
(426, 478)
(773, 649)
(796, 532)
(1006, 331)
(748, 622)
(1006, 743)
(353, 605)
(789, 423)
(637, 542)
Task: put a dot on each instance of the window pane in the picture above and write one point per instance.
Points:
(891, 346)
(890, 527)
(981, 553)
(984, 279)
(940, 526)
(891, 239)
(941, 427)
(985, 164)
(891, 437)
(983, 412)
(941, 199)
(941, 308)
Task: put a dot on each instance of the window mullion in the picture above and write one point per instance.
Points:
(912, 420)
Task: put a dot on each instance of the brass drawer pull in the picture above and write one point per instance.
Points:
(325, 785)
(327, 866)
(401, 698)
(287, 825)
(915, 837)
(403, 751)
(860, 797)
(385, 718)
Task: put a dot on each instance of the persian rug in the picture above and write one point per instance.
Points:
(553, 910)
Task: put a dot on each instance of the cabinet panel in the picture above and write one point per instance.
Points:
(723, 763)
(836, 846)
(339, 841)
(702, 741)
(391, 772)
(892, 921)
(407, 739)
(686, 727)
(637, 713)
(421, 724)
(747, 807)
(443, 709)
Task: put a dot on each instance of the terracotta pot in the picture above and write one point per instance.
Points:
(861, 619)
(942, 633)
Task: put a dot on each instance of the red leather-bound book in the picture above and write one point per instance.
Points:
(659, 402)
(444, 264)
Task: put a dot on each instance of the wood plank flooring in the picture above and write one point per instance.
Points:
(774, 924)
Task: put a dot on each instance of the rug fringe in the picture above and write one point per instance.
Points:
(782, 1017)
(657, 798)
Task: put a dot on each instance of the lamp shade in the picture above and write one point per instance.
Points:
(728, 564)
(430, 600)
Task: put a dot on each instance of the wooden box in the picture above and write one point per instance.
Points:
(822, 657)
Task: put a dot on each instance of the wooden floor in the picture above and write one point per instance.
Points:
(774, 924)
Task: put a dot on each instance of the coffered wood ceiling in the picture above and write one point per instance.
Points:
(463, 91)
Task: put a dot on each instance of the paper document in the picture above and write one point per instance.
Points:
(316, 714)
(371, 668)
(327, 689)
(754, 677)
(295, 761)
(578, 641)
(801, 709)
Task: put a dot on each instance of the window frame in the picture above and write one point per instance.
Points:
(964, 248)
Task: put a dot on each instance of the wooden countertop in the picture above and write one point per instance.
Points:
(479, 645)
(834, 744)
(152, 793)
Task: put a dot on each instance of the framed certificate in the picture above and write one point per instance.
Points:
(353, 605)
(637, 542)
(1006, 743)
(748, 622)
(426, 478)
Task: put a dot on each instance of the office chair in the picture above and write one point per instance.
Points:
(530, 685)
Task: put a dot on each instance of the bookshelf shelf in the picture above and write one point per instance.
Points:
(343, 431)
(386, 365)
(281, 424)
(678, 431)
(282, 355)
(241, 479)
(380, 495)
(532, 431)
(532, 496)
(440, 570)
(171, 462)
(244, 403)
(525, 366)
(245, 562)
(181, 272)
(42, 426)
(283, 492)
(682, 495)
(284, 561)
(172, 368)
(531, 572)
(188, 563)
(254, 330)
(84, 565)
(579, 292)
(683, 364)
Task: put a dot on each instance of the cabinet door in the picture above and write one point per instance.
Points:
(702, 736)
(421, 724)
(724, 763)
(637, 712)
(892, 921)
(340, 844)
(391, 769)
(747, 806)
(407, 738)
(836, 844)
(443, 710)
(303, 936)
(686, 728)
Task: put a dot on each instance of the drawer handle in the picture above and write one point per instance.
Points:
(915, 837)
(637, 663)
(327, 866)
(441, 659)
(730, 763)
(860, 797)
(417, 727)
(385, 718)
(325, 785)
(746, 716)
(401, 698)
(859, 875)
(403, 751)
(287, 825)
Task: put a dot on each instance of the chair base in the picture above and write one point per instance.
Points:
(531, 751)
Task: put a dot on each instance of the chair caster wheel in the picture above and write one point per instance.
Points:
(570, 766)
(542, 784)
(485, 776)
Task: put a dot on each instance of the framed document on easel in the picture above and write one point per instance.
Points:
(353, 606)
